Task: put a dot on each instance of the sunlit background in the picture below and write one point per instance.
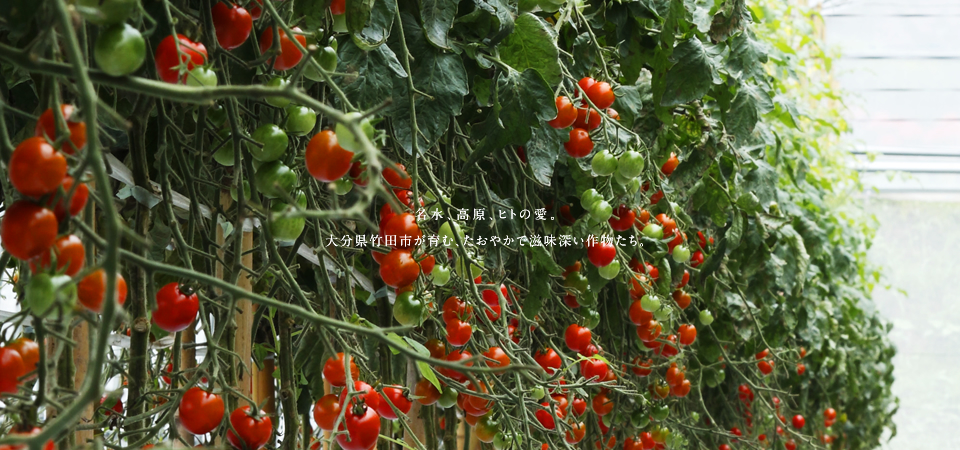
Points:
(900, 63)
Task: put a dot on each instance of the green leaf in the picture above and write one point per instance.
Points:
(735, 232)
(427, 372)
(371, 73)
(376, 29)
(533, 45)
(542, 258)
(398, 340)
(358, 12)
(312, 11)
(542, 151)
(523, 100)
(628, 104)
(747, 55)
(538, 290)
(437, 16)
(160, 235)
(691, 77)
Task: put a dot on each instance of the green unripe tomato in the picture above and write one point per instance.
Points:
(408, 310)
(662, 314)
(604, 163)
(706, 317)
(274, 143)
(660, 412)
(120, 50)
(632, 186)
(217, 115)
(631, 164)
(601, 211)
(610, 271)
(695, 416)
(40, 295)
(589, 197)
(440, 275)
(246, 191)
(774, 208)
(475, 270)
(640, 419)
(551, 6)
(608, 420)
(681, 254)
(446, 233)
(576, 281)
(300, 120)
(650, 302)
(279, 102)
(274, 179)
(327, 58)
(106, 12)
(201, 77)
(653, 231)
(345, 137)
(285, 230)
(507, 441)
(537, 393)
(591, 318)
(224, 154)
(342, 186)
(447, 398)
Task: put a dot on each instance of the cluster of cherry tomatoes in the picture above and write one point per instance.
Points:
(584, 118)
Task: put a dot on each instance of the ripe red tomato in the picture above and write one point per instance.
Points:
(58, 203)
(670, 348)
(338, 7)
(232, 24)
(358, 173)
(11, 368)
(669, 225)
(398, 397)
(29, 353)
(580, 144)
(790, 445)
(681, 389)
(613, 114)
(427, 263)
(594, 368)
(91, 288)
(765, 367)
(801, 369)
(35, 168)
(326, 411)
(724, 447)
(577, 338)
(576, 433)
(27, 230)
(456, 356)
(398, 178)
(623, 218)
(671, 164)
(490, 297)
(76, 129)
(436, 347)
(169, 61)
(641, 368)
(588, 119)
(456, 309)
(601, 94)
(496, 358)
(682, 298)
(365, 394)
(584, 84)
(458, 332)
(638, 315)
(33, 432)
(649, 331)
(428, 393)
(763, 354)
(289, 55)
(571, 301)
(335, 372)
(399, 268)
(566, 113)
(548, 359)
(175, 310)
(684, 280)
(829, 414)
(545, 417)
(688, 334)
(601, 403)
(400, 226)
(252, 432)
(69, 254)
(798, 421)
(325, 159)
(601, 254)
(362, 426)
(200, 411)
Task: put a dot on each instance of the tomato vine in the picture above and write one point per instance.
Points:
(198, 167)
